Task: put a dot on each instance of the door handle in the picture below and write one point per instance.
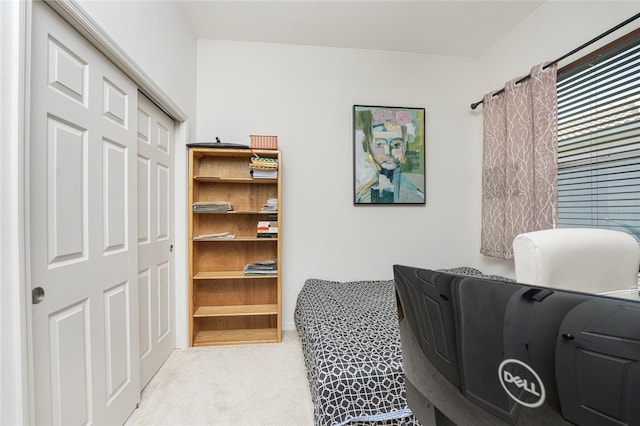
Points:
(37, 295)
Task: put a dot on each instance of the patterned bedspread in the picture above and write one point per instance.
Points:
(351, 343)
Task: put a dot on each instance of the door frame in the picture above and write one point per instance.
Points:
(15, 303)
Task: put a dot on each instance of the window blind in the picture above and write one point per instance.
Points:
(599, 141)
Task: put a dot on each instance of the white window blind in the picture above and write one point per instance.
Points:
(599, 140)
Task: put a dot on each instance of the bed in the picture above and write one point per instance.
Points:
(351, 345)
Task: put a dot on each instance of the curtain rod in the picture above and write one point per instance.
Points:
(577, 49)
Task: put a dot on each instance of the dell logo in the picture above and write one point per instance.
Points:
(521, 383)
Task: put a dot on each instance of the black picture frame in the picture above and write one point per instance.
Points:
(388, 155)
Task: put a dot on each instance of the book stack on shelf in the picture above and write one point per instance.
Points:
(263, 267)
(264, 168)
(212, 206)
(267, 229)
(270, 205)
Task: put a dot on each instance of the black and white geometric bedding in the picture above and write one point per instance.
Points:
(351, 344)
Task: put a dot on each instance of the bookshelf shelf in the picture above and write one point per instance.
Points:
(225, 275)
(261, 212)
(236, 336)
(232, 240)
(249, 180)
(235, 310)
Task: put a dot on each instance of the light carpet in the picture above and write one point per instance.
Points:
(259, 384)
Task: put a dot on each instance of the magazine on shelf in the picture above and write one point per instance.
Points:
(264, 174)
(270, 205)
(215, 236)
(263, 267)
(212, 206)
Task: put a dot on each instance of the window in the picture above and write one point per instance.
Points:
(599, 139)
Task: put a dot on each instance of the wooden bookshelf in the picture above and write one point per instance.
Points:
(226, 305)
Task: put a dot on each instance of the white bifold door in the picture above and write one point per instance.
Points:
(87, 228)
(155, 238)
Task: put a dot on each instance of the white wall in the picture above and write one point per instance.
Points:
(553, 30)
(305, 95)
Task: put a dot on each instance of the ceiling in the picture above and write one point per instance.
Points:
(451, 28)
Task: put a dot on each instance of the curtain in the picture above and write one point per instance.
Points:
(519, 164)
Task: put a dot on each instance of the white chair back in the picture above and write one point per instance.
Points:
(580, 259)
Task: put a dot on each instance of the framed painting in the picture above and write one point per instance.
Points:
(388, 155)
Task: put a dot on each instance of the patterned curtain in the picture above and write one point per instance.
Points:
(519, 165)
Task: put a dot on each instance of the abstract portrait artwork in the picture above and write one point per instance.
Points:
(388, 155)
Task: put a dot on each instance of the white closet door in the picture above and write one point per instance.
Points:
(155, 238)
(82, 229)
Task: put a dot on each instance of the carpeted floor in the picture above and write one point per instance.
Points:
(243, 385)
